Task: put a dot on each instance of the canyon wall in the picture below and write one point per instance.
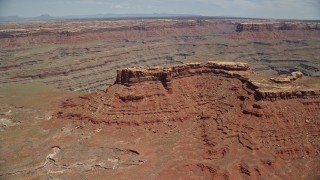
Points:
(165, 74)
(277, 26)
(84, 55)
(20, 35)
(270, 30)
(141, 74)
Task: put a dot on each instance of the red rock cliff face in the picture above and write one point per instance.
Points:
(21, 35)
(275, 94)
(269, 90)
(254, 27)
(275, 30)
(258, 27)
(165, 74)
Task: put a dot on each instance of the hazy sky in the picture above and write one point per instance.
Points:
(286, 9)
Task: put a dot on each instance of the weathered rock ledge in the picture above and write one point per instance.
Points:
(287, 94)
(274, 90)
(292, 77)
(165, 74)
(270, 90)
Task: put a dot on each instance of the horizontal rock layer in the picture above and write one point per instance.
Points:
(84, 55)
(275, 26)
(165, 74)
(292, 77)
(287, 94)
(129, 76)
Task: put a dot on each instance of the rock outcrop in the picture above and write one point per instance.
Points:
(276, 26)
(293, 76)
(209, 117)
(133, 75)
(289, 87)
(275, 30)
(263, 91)
(253, 27)
(275, 94)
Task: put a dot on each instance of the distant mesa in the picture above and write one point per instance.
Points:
(276, 26)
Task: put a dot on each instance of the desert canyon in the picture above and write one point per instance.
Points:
(171, 98)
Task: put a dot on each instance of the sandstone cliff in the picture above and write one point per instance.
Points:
(165, 74)
(275, 26)
(287, 94)
(292, 77)
(276, 88)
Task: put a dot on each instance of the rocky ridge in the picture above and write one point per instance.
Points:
(166, 74)
(128, 76)
(277, 26)
(292, 77)
(275, 30)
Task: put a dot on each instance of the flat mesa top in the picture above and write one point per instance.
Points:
(215, 64)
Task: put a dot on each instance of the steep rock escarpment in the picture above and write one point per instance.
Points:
(20, 35)
(262, 90)
(166, 74)
(275, 30)
(276, 26)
